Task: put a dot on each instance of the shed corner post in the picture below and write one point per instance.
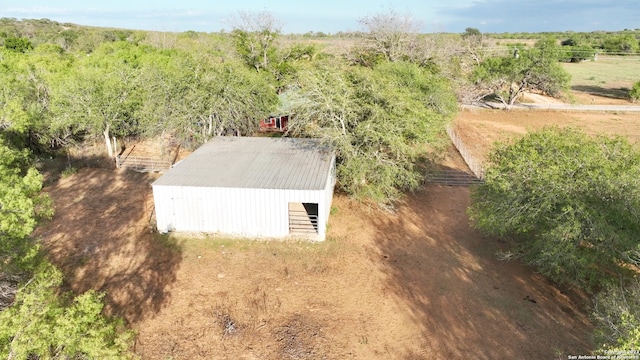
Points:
(322, 221)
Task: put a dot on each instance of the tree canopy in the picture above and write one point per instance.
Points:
(40, 322)
(569, 201)
(380, 121)
(508, 77)
(21, 205)
(43, 324)
(391, 34)
(616, 311)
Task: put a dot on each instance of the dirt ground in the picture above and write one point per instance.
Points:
(416, 284)
(419, 283)
(481, 128)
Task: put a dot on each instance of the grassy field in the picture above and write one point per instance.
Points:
(612, 72)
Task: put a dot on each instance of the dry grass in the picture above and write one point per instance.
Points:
(610, 77)
(618, 70)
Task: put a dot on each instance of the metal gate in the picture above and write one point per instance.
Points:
(303, 218)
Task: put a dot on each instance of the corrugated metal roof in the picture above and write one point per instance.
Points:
(253, 162)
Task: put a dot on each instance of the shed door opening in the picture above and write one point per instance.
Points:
(303, 218)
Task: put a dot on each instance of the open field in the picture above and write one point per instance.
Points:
(610, 77)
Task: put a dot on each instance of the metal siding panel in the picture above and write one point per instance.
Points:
(246, 215)
(329, 187)
(266, 207)
(214, 217)
(242, 212)
(182, 213)
(281, 213)
(190, 215)
(162, 207)
(227, 210)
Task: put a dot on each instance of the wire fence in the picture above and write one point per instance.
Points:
(474, 165)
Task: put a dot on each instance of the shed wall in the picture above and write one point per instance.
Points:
(234, 211)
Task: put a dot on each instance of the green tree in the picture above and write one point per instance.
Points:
(18, 44)
(379, 120)
(634, 94)
(68, 38)
(507, 78)
(102, 96)
(576, 50)
(568, 201)
(578, 53)
(616, 311)
(621, 44)
(21, 205)
(25, 100)
(473, 36)
(195, 98)
(24, 96)
(254, 35)
(42, 324)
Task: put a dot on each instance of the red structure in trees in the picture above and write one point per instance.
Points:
(274, 124)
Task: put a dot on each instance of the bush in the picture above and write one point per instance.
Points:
(18, 44)
(576, 54)
(634, 94)
(569, 201)
(44, 324)
(616, 312)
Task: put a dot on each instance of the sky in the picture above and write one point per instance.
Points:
(332, 16)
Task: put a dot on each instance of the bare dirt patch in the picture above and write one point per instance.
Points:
(481, 128)
(101, 238)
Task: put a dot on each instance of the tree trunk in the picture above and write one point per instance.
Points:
(107, 140)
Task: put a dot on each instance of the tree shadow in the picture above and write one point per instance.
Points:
(467, 303)
(103, 238)
(612, 93)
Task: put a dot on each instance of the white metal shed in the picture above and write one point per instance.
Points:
(254, 187)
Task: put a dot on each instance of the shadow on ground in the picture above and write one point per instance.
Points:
(613, 93)
(467, 303)
(101, 237)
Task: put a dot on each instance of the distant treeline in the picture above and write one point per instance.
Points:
(80, 37)
(624, 42)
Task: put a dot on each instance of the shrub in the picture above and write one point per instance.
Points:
(616, 312)
(569, 201)
(635, 92)
(18, 44)
(44, 324)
